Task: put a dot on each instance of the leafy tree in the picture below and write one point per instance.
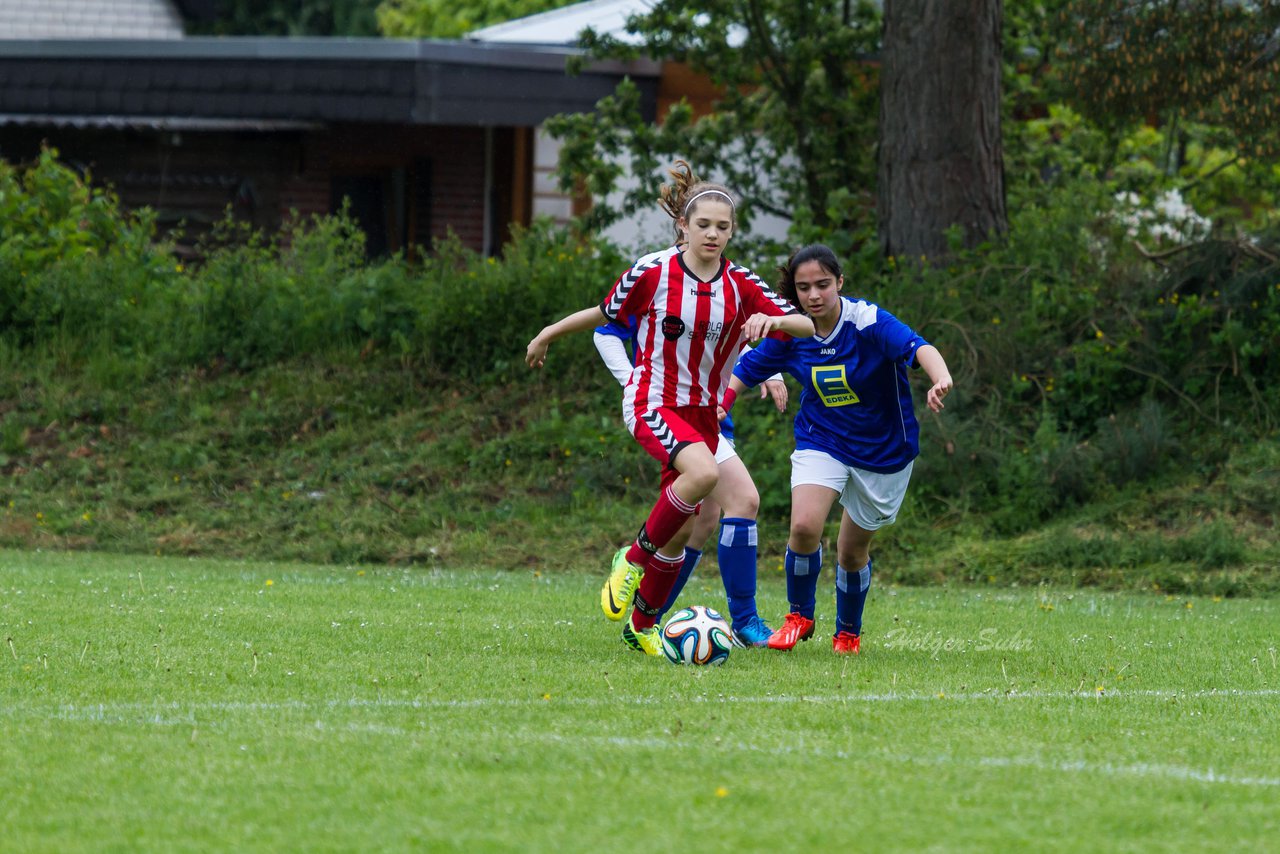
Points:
(1172, 62)
(395, 18)
(289, 18)
(793, 129)
(445, 19)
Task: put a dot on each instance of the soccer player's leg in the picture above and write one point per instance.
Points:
(641, 631)
(692, 557)
(816, 482)
(689, 475)
(737, 546)
(802, 585)
(705, 521)
(851, 586)
(620, 587)
(663, 434)
(871, 501)
(662, 569)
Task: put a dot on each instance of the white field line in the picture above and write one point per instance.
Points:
(176, 712)
(1138, 769)
(187, 714)
(1176, 773)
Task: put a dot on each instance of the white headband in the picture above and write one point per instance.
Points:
(689, 203)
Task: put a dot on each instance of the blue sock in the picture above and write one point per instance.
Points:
(736, 551)
(802, 580)
(691, 558)
(851, 596)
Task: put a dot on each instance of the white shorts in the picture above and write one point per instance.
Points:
(725, 450)
(871, 499)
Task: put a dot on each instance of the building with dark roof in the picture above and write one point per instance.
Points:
(90, 19)
(421, 137)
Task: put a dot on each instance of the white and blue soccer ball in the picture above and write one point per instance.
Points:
(696, 635)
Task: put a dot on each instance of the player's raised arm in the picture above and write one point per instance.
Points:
(775, 388)
(936, 367)
(796, 325)
(580, 321)
(736, 387)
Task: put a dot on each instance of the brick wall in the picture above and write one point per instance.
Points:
(190, 178)
(443, 171)
(458, 186)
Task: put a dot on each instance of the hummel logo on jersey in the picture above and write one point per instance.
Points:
(694, 292)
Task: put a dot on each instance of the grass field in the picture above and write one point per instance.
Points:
(152, 704)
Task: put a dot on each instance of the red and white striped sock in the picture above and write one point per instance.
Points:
(660, 574)
(668, 516)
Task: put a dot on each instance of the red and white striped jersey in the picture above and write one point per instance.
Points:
(688, 332)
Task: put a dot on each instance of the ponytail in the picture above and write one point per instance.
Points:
(680, 197)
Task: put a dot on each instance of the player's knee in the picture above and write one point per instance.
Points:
(703, 525)
(703, 478)
(805, 535)
(744, 505)
(854, 559)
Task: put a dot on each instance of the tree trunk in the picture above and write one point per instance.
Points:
(941, 153)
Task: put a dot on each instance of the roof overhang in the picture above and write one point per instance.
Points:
(258, 82)
(161, 123)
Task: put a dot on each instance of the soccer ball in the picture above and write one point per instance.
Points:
(696, 635)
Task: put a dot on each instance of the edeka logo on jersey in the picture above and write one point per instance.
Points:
(672, 327)
(831, 384)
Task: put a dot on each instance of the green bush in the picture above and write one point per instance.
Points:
(479, 313)
(68, 257)
(79, 275)
(1082, 365)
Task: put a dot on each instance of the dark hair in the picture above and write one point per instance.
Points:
(813, 252)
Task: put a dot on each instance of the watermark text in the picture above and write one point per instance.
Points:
(926, 640)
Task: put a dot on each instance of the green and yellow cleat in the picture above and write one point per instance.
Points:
(620, 587)
(648, 641)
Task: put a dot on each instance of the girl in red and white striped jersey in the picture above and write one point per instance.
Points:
(694, 310)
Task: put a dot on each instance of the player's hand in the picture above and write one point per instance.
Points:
(758, 326)
(940, 390)
(776, 389)
(536, 355)
(721, 414)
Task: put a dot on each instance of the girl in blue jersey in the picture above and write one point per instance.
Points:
(856, 434)
(735, 494)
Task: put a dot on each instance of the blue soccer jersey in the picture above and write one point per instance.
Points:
(856, 401)
(628, 336)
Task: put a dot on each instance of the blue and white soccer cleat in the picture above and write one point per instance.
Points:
(752, 632)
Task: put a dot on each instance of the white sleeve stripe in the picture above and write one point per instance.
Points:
(628, 280)
(780, 302)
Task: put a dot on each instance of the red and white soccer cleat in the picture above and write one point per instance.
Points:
(846, 643)
(795, 628)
